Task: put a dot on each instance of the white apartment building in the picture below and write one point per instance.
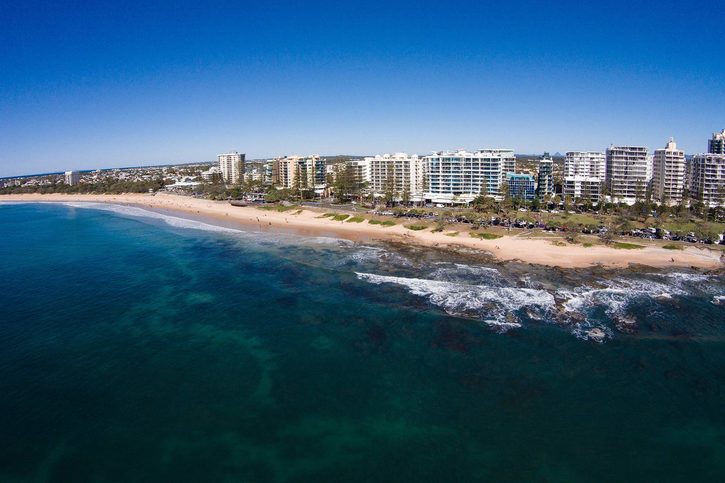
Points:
(668, 174)
(360, 171)
(582, 188)
(72, 177)
(399, 173)
(211, 174)
(461, 176)
(584, 173)
(299, 172)
(584, 163)
(231, 166)
(708, 179)
(628, 173)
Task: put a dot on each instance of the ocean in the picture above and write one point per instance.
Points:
(141, 346)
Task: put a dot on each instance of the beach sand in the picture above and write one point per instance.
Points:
(310, 223)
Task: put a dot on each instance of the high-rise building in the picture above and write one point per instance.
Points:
(305, 173)
(545, 177)
(399, 174)
(716, 144)
(231, 166)
(461, 176)
(584, 173)
(582, 188)
(521, 186)
(708, 179)
(668, 174)
(360, 171)
(72, 177)
(627, 173)
(584, 163)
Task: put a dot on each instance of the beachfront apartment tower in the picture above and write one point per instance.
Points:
(590, 164)
(716, 144)
(298, 172)
(668, 174)
(545, 178)
(72, 178)
(627, 173)
(231, 166)
(459, 177)
(708, 179)
(399, 175)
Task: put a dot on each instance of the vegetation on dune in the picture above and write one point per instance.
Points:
(672, 246)
(355, 219)
(484, 235)
(626, 246)
(452, 233)
(340, 217)
(416, 227)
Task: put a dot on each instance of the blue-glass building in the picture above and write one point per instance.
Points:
(521, 186)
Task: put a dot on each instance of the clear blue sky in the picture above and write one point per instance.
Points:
(88, 84)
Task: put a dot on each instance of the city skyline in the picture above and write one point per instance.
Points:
(132, 85)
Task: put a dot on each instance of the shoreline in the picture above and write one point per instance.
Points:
(307, 222)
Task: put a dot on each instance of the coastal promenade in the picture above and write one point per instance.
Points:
(311, 223)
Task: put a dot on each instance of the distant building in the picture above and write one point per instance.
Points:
(545, 178)
(627, 173)
(212, 174)
(298, 172)
(461, 176)
(668, 174)
(521, 186)
(400, 174)
(232, 167)
(716, 144)
(708, 179)
(72, 177)
(584, 163)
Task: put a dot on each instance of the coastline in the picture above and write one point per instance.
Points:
(308, 222)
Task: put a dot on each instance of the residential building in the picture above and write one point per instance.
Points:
(708, 179)
(582, 188)
(231, 166)
(668, 174)
(400, 175)
(545, 178)
(627, 173)
(298, 172)
(584, 163)
(212, 174)
(716, 145)
(521, 186)
(72, 177)
(461, 176)
(360, 171)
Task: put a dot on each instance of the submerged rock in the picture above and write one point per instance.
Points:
(626, 324)
(596, 334)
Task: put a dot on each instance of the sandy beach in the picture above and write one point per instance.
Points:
(311, 223)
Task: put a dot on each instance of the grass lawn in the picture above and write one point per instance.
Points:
(626, 246)
(484, 236)
(382, 222)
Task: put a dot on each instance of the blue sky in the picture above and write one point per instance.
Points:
(93, 84)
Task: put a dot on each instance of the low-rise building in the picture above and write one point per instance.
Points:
(521, 186)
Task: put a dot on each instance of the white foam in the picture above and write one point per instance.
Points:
(502, 327)
(460, 299)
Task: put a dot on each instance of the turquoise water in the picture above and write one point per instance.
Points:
(135, 346)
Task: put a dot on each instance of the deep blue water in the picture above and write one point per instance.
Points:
(135, 346)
